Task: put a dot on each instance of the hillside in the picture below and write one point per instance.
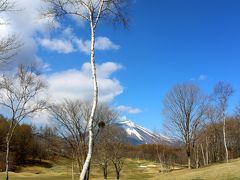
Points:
(132, 170)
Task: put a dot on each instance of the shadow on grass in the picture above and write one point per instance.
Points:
(38, 163)
(32, 163)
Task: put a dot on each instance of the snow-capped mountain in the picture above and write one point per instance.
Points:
(140, 135)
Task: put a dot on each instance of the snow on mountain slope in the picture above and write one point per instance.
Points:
(140, 135)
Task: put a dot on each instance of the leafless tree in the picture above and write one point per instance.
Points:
(19, 95)
(110, 147)
(118, 143)
(222, 92)
(8, 45)
(184, 109)
(72, 121)
(211, 134)
(91, 11)
(71, 126)
(161, 154)
(103, 149)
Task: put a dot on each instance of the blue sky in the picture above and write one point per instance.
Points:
(168, 42)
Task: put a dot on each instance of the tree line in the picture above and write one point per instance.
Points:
(29, 144)
(66, 139)
(201, 124)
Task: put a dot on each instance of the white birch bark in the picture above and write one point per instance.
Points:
(8, 139)
(223, 91)
(224, 136)
(207, 151)
(197, 158)
(94, 105)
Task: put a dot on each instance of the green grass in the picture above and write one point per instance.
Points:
(61, 170)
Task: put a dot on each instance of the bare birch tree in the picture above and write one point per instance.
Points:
(91, 11)
(184, 109)
(9, 44)
(19, 96)
(222, 92)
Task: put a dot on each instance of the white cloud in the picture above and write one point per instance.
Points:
(104, 43)
(28, 25)
(69, 42)
(25, 24)
(200, 78)
(101, 44)
(76, 84)
(83, 46)
(128, 109)
(59, 45)
(104, 70)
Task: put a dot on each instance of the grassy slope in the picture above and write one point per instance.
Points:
(223, 171)
(131, 171)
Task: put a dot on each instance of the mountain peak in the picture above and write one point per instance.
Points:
(138, 134)
(128, 123)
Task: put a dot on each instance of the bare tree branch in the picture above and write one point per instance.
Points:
(10, 44)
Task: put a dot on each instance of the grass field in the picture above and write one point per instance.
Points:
(133, 170)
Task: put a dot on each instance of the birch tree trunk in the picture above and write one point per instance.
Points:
(197, 157)
(7, 157)
(224, 136)
(207, 151)
(94, 103)
(8, 139)
(222, 92)
(203, 155)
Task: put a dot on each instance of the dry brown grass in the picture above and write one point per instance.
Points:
(61, 170)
